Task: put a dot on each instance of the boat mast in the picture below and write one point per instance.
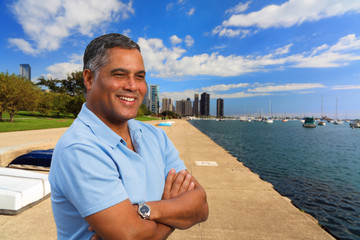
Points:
(336, 109)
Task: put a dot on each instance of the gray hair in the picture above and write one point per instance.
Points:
(95, 55)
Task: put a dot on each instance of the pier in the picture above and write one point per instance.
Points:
(242, 206)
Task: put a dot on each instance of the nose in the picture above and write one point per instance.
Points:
(131, 84)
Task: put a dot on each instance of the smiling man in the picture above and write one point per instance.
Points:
(122, 177)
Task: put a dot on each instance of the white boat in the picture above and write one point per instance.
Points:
(268, 120)
(321, 123)
(337, 121)
(355, 124)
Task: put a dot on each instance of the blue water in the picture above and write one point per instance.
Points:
(317, 168)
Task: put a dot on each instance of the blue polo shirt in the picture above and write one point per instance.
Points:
(92, 169)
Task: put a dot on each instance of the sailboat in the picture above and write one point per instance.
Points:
(337, 121)
(269, 120)
(321, 122)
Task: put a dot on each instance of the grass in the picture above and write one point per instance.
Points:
(33, 121)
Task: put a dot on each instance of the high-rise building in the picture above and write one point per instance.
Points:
(205, 104)
(154, 98)
(146, 99)
(166, 104)
(188, 108)
(196, 105)
(219, 108)
(184, 108)
(25, 71)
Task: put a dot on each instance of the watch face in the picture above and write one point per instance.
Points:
(144, 209)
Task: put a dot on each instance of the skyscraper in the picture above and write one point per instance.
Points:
(219, 108)
(146, 100)
(196, 105)
(154, 98)
(25, 71)
(188, 107)
(184, 108)
(205, 104)
(166, 104)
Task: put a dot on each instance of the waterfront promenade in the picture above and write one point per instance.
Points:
(242, 206)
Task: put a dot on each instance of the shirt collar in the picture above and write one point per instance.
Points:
(103, 132)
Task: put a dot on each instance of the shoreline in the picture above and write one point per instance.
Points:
(242, 205)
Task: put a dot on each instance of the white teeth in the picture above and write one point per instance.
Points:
(127, 99)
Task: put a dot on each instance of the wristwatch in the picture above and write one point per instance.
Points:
(144, 210)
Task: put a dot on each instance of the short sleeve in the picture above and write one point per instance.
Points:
(89, 179)
(172, 158)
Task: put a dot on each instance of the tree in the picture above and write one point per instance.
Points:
(68, 93)
(17, 93)
(169, 114)
(143, 111)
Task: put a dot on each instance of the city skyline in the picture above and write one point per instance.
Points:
(293, 53)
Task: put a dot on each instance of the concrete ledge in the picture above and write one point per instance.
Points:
(9, 154)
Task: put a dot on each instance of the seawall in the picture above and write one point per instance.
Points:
(242, 206)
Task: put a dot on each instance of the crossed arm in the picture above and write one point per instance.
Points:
(183, 204)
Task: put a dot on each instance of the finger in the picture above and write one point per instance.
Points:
(186, 183)
(95, 237)
(168, 184)
(178, 182)
(91, 229)
(191, 186)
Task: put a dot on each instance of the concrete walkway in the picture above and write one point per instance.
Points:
(242, 206)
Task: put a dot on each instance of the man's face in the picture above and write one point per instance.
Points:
(119, 89)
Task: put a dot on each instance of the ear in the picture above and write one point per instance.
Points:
(88, 78)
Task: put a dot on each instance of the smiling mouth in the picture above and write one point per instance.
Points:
(127, 99)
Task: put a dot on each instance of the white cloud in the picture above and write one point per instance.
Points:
(127, 32)
(286, 87)
(223, 87)
(345, 87)
(171, 63)
(175, 40)
(47, 23)
(283, 50)
(60, 70)
(290, 13)
(226, 32)
(241, 7)
(191, 12)
(189, 41)
(340, 54)
(22, 45)
(249, 90)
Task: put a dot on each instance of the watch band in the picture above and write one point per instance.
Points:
(144, 210)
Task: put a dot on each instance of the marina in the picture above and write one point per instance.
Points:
(318, 168)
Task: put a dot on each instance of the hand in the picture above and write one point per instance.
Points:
(95, 236)
(177, 184)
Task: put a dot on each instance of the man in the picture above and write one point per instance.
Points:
(108, 171)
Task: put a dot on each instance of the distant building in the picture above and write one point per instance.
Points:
(184, 108)
(167, 105)
(196, 105)
(179, 110)
(146, 100)
(154, 98)
(188, 108)
(205, 104)
(25, 71)
(219, 108)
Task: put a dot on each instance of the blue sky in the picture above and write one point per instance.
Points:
(290, 52)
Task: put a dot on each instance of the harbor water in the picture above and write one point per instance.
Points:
(317, 168)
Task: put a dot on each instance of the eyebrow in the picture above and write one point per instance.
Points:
(126, 71)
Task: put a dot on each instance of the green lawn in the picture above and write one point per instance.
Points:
(32, 121)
